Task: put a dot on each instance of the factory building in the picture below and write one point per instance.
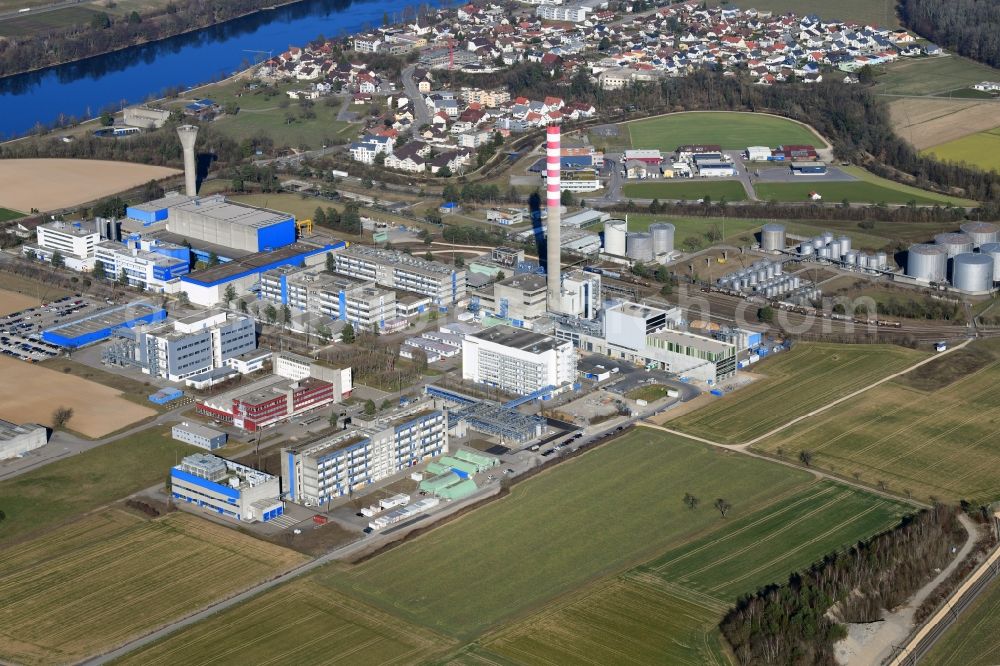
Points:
(187, 347)
(808, 168)
(518, 361)
(519, 298)
(295, 367)
(148, 264)
(152, 212)
(268, 402)
(396, 270)
(74, 241)
(98, 326)
(371, 450)
(715, 169)
(16, 440)
(219, 222)
(363, 304)
(198, 435)
(581, 294)
(757, 153)
(226, 488)
(577, 241)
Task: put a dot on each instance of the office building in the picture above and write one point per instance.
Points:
(295, 367)
(148, 264)
(362, 303)
(519, 299)
(518, 361)
(371, 450)
(214, 220)
(198, 435)
(226, 488)
(268, 402)
(16, 440)
(443, 283)
(74, 241)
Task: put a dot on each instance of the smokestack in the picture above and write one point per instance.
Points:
(553, 161)
(188, 135)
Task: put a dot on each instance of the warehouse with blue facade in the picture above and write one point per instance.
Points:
(237, 226)
(226, 488)
(99, 325)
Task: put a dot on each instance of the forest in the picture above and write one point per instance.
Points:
(968, 27)
(793, 623)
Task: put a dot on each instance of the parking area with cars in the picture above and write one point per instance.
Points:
(21, 332)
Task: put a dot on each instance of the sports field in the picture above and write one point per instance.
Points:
(854, 192)
(30, 392)
(301, 624)
(931, 441)
(688, 189)
(31, 183)
(64, 489)
(795, 383)
(92, 585)
(11, 301)
(981, 149)
(671, 605)
(975, 639)
(730, 129)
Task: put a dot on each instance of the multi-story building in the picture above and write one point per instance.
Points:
(568, 13)
(74, 241)
(226, 488)
(147, 264)
(295, 367)
(186, 347)
(371, 450)
(268, 402)
(518, 298)
(443, 283)
(518, 361)
(362, 303)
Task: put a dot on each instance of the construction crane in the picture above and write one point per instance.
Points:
(304, 227)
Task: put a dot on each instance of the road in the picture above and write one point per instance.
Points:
(421, 115)
(40, 9)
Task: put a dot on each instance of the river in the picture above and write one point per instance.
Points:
(84, 88)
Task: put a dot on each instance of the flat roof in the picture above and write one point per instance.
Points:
(9, 431)
(111, 317)
(329, 445)
(518, 338)
(218, 208)
(637, 310)
(686, 338)
(166, 201)
(249, 263)
(70, 228)
(198, 429)
(525, 281)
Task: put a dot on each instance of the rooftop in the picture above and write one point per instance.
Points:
(168, 200)
(10, 430)
(401, 259)
(111, 317)
(217, 208)
(249, 263)
(198, 429)
(518, 338)
(70, 228)
(692, 340)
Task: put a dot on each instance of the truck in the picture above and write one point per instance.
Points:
(336, 173)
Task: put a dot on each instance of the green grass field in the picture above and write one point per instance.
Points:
(324, 130)
(854, 192)
(796, 382)
(981, 150)
(667, 610)
(913, 434)
(89, 586)
(686, 189)
(6, 214)
(631, 488)
(66, 488)
(975, 639)
(28, 24)
(731, 130)
(931, 76)
(870, 12)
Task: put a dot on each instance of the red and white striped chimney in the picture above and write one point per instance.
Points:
(553, 162)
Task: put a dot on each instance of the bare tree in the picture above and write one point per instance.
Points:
(61, 416)
(723, 506)
(806, 457)
(690, 501)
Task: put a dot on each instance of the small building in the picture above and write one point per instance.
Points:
(198, 435)
(716, 170)
(16, 440)
(226, 488)
(650, 157)
(758, 153)
(809, 168)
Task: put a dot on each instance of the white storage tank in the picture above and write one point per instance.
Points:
(993, 250)
(956, 244)
(981, 233)
(926, 262)
(772, 237)
(972, 273)
(845, 244)
(640, 246)
(615, 232)
(663, 237)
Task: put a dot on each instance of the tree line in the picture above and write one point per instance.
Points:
(798, 622)
(969, 27)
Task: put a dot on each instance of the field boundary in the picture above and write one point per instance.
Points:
(826, 143)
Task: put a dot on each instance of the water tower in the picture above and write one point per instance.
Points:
(188, 135)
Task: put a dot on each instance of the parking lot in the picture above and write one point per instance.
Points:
(21, 332)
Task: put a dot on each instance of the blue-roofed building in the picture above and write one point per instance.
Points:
(226, 488)
(99, 325)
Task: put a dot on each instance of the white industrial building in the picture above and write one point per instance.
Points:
(16, 440)
(292, 366)
(758, 153)
(215, 220)
(362, 303)
(518, 361)
(148, 264)
(199, 435)
(74, 241)
(443, 283)
(226, 488)
(371, 450)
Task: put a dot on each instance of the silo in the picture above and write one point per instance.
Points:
(956, 244)
(851, 258)
(663, 237)
(863, 260)
(772, 238)
(972, 273)
(845, 244)
(769, 270)
(806, 249)
(818, 242)
(993, 250)
(824, 252)
(779, 268)
(881, 260)
(927, 262)
(981, 232)
(615, 232)
(639, 246)
(835, 250)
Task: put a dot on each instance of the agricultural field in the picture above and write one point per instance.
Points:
(854, 192)
(37, 290)
(64, 489)
(974, 640)
(686, 189)
(732, 130)
(29, 23)
(93, 585)
(286, 127)
(11, 301)
(931, 432)
(671, 605)
(981, 149)
(795, 383)
(931, 76)
(300, 624)
(931, 121)
(7, 214)
(869, 12)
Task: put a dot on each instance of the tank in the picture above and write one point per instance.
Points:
(881, 260)
(956, 244)
(992, 250)
(639, 246)
(851, 258)
(827, 237)
(972, 273)
(926, 262)
(772, 237)
(835, 250)
(752, 279)
(981, 233)
(663, 237)
(807, 250)
(845, 244)
(863, 259)
(824, 253)
(615, 232)
(818, 242)
(769, 269)
(779, 268)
